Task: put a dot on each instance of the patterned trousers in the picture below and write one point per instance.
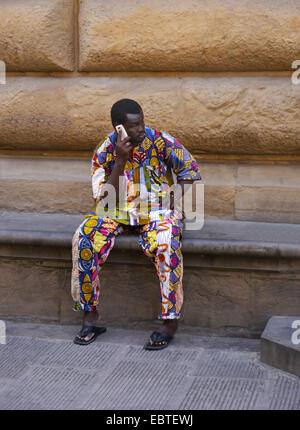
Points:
(160, 241)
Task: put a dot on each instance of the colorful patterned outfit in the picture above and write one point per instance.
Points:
(148, 175)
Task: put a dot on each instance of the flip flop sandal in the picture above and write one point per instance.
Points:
(157, 337)
(85, 331)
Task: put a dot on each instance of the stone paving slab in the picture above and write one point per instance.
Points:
(222, 394)
(229, 364)
(41, 368)
(141, 385)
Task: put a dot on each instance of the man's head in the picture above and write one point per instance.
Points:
(129, 113)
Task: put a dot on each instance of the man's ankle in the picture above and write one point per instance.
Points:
(90, 317)
(170, 326)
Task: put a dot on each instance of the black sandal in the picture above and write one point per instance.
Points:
(86, 331)
(157, 339)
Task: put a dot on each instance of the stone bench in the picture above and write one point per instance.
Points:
(237, 274)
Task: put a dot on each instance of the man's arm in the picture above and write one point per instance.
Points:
(123, 150)
(183, 164)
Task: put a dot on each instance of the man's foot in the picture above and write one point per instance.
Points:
(88, 334)
(160, 340)
(89, 330)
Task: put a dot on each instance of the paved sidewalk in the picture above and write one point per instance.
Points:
(41, 368)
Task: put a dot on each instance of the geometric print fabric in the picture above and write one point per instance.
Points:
(160, 242)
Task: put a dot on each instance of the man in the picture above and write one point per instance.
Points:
(131, 179)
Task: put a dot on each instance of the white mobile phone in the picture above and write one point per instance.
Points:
(120, 129)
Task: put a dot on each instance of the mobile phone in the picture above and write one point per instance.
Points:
(120, 129)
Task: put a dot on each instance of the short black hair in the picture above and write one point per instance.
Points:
(121, 108)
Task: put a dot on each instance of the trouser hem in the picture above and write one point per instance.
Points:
(77, 306)
(169, 317)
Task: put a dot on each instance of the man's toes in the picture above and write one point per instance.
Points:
(157, 343)
(89, 337)
(85, 338)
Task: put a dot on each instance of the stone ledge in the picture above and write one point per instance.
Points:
(129, 242)
(219, 237)
(277, 348)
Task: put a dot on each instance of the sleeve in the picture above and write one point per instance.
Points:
(179, 160)
(99, 171)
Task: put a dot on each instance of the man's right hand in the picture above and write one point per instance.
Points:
(123, 148)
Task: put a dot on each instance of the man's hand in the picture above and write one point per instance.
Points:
(123, 148)
(179, 197)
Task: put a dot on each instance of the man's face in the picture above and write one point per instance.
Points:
(135, 127)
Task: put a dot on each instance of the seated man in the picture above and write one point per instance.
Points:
(140, 166)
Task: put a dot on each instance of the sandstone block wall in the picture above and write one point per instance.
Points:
(215, 74)
(224, 115)
(37, 35)
(246, 192)
(188, 35)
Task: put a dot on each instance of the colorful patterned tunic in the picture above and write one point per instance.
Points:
(148, 176)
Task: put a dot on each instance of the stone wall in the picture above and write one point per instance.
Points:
(217, 75)
(188, 35)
